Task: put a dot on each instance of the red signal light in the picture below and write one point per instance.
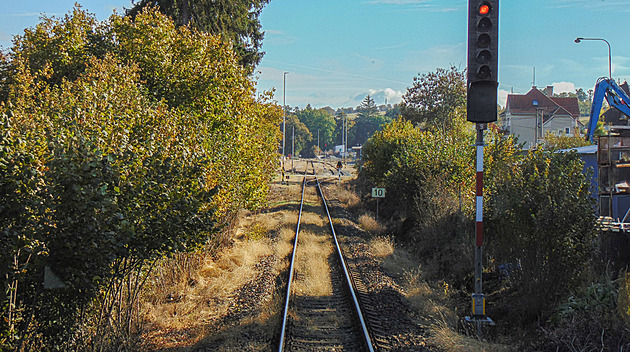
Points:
(484, 9)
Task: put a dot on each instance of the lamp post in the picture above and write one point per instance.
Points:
(284, 113)
(579, 39)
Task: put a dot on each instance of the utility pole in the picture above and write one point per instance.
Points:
(540, 134)
(318, 142)
(292, 148)
(345, 138)
(284, 115)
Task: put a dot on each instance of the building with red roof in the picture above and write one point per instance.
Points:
(534, 115)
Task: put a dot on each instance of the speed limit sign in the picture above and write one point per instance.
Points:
(378, 192)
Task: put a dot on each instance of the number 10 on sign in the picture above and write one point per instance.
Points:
(378, 192)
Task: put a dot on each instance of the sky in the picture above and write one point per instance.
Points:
(336, 52)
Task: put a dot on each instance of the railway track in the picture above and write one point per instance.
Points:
(328, 321)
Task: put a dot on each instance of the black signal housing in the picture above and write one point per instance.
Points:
(483, 54)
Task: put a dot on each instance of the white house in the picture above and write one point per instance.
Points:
(533, 115)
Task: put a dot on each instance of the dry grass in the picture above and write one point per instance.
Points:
(185, 304)
(382, 246)
(283, 193)
(371, 225)
(449, 340)
(344, 195)
(312, 267)
(190, 292)
(430, 301)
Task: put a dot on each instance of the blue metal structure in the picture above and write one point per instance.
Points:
(606, 88)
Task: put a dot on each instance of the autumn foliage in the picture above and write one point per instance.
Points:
(121, 141)
(539, 216)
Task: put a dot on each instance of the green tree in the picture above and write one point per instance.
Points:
(434, 98)
(142, 148)
(297, 136)
(234, 20)
(564, 142)
(368, 108)
(56, 50)
(406, 159)
(584, 101)
(368, 121)
(317, 120)
(393, 112)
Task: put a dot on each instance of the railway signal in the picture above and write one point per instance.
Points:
(481, 104)
(483, 53)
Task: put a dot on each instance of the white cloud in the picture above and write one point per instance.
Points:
(380, 96)
(392, 96)
(561, 87)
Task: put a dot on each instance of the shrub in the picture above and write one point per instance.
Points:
(430, 183)
(122, 142)
(404, 159)
(541, 219)
(590, 320)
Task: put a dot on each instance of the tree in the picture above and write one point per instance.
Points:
(368, 121)
(297, 133)
(393, 112)
(584, 100)
(111, 156)
(368, 108)
(317, 120)
(553, 142)
(234, 20)
(434, 98)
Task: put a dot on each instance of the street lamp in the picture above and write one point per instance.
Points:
(578, 40)
(284, 113)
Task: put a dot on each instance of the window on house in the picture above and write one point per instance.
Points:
(535, 102)
(567, 130)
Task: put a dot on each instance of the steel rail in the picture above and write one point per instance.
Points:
(366, 334)
(297, 231)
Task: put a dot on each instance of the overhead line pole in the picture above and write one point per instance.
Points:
(292, 148)
(284, 114)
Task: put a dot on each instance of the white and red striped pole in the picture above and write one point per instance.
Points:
(478, 299)
(479, 208)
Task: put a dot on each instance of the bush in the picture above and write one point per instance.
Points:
(404, 159)
(542, 220)
(430, 180)
(121, 142)
(592, 319)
